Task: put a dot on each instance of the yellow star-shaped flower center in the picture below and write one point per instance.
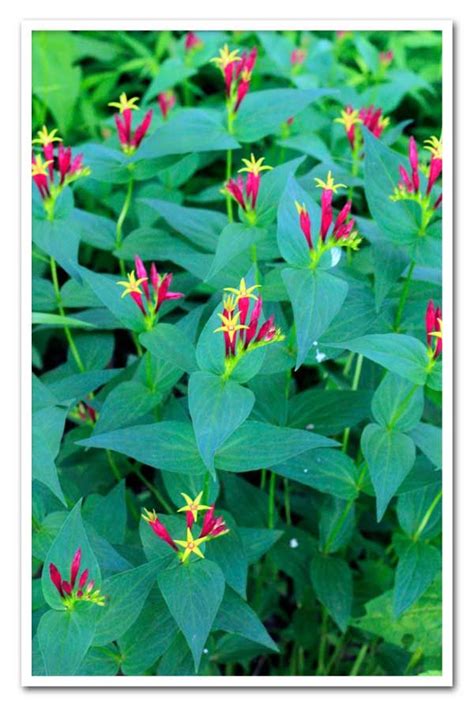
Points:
(254, 166)
(230, 325)
(329, 184)
(225, 57)
(39, 167)
(229, 303)
(132, 286)
(45, 137)
(191, 545)
(300, 207)
(124, 103)
(435, 146)
(439, 333)
(243, 291)
(193, 505)
(348, 118)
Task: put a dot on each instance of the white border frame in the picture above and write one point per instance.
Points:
(444, 680)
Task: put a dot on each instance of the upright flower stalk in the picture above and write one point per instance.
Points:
(166, 101)
(237, 73)
(130, 139)
(343, 232)
(148, 292)
(242, 328)
(409, 187)
(71, 593)
(212, 527)
(353, 119)
(55, 169)
(245, 193)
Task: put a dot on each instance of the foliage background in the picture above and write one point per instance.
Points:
(75, 75)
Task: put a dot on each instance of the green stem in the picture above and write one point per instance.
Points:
(354, 386)
(403, 298)
(335, 655)
(154, 491)
(321, 668)
(113, 465)
(337, 527)
(427, 516)
(359, 660)
(67, 330)
(286, 494)
(271, 500)
(263, 479)
(228, 175)
(121, 220)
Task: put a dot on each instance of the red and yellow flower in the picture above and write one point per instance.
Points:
(67, 589)
(130, 140)
(434, 330)
(246, 194)
(237, 73)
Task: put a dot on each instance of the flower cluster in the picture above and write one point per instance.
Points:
(234, 318)
(192, 42)
(386, 58)
(56, 168)
(409, 187)
(166, 101)
(129, 140)
(246, 194)
(237, 73)
(138, 287)
(212, 527)
(369, 117)
(343, 233)
(298, 57)
(67, 589)
(434, 330)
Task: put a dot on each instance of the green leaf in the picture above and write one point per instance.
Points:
(263, 112)
(56, 81)
(165, 445)
(332, 583)
(125, 596)
(64, 638)
(71, 536)
(257, 541)
(400, 220)
(148, 638)
(397, 352)
(171, 344)
(413, 507)
(188, 131)
(232, 241)
(79, 385)
(397, 403)
(258, 445)
(100, 661)
(328, 471)
(202, 227)
(418, 565)
(58, 321)
(108, 514)
(273, 186)
(59, 239)
(217, 408)
(236, 617)
(48, 427)
(429, 439)
(173, 71)
(316, 298)
(389, 264)
(390, 455)
(125, 404)
(106, 289)
(229, 554)
(418, 628)
(193, 594)
(328, 412)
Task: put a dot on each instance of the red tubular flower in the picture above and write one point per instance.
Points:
(439, 339)
(192, 41)
(82, 582)
(56, 579)
(326, 213)
(373, 120)
(39, 173)
(434, 328)
(237, 72)
(213, 526)
(141, 129)
(386, 58)
(75, 565)
(236, 189)
(163, 294)
(436, 166)
(268, 331)
(254, 319)
(430, 321)
(242, 90)
(438, 201)
(160, 286)
(406, 181)
(166, 101)
(123, 121)
(305, 223)
(158, 528)
(298, 56)
(342, 229)
(413, 158)
(142, 274)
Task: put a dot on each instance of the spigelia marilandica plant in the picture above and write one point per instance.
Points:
(246, 193)
(71, 593)
(55, 169)
(410, 188)
(129, 138)
(212, 527)
(155, 289)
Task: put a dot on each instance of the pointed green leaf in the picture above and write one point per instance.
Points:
(171, 344)
(236, 617)
(418, 565)
(64, 638)
(397, 403)
(332, 583)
